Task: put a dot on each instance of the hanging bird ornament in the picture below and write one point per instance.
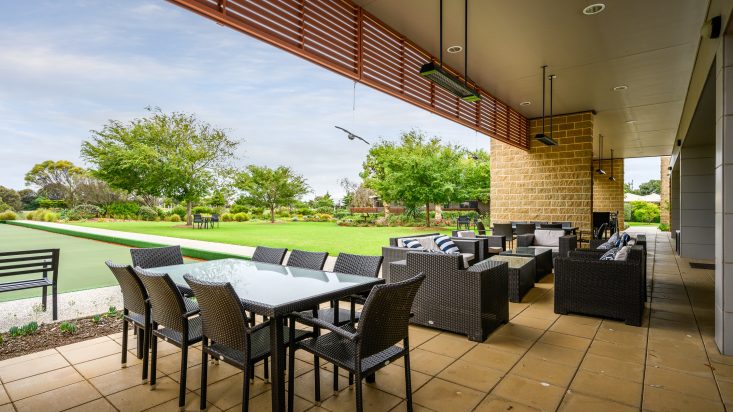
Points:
(352, 136)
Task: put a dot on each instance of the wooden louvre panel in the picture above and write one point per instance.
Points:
(343, 37)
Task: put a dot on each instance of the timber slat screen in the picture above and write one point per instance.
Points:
(343, 37)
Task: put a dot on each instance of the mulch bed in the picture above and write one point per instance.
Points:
(49, 335)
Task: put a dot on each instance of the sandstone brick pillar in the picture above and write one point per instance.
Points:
(608, 195)
(548, 183)
(664, 202)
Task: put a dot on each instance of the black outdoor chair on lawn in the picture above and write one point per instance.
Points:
(227, 336)
(214, 219)
(197, 219)
(28, 262)
(155, 257)
(136, 310)
(371, 346)
(307, 260)
(176, 314)
(463, 222)
(269, 255)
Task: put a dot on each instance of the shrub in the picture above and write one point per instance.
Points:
(51, 204)
(122, 210)
(664, 227)
(147, 213)
(8, 215)
(50, 217)
(206, 210)
(86, 212)
(305, 211)
(24, 330)
(227, 217)
(645, 212)
(340, 214)
(67, 327)
(238, 209)
(324, 209)
(179, 211)
(174, 218)
(241, 217)
(628, 209)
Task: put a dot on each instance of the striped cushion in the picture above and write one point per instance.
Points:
(610, 254)
(446, 245)
(412, 244)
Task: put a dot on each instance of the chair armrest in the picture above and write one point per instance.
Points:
(319, 323)
(567, 243)
(593, 254)
(496, 241)
(525, 240)
(191, 313)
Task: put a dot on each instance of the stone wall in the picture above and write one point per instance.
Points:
(548, 183)
(608, 196)
(664, 202)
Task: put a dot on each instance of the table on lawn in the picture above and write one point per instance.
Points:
(274, 291)
(521, 275)
(542, 256)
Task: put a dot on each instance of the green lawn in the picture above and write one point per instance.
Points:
(642, 224)
(81, 263)
(313, 236)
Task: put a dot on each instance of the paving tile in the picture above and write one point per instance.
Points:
(532, 321)
(23, 358)
(533, 393)
(544, 371)
(625, 338)
(576, 402)
(399, 408)
(441, 395)
(427, 362)
(566, 341)
(489, 357)
(4, 398)
(682, 362)
(98, 405)
(520, 331)
(391, 379)
(607, 387)
(448, 344)
(558, 354)
(121, 379)
(617, 351)
(81, 353)
(471, 375)
(215, 373)
(171, 364)
(657, 399)
(305, 385)
(633, 372)
(263, 403)
(32, 366)
(59, 399)
(192, 404)
(420, 335)
(141, 397)
(33, 385)
(495, 404)
(373, 398)
(104, 365)
(508, 344)
(576, 327)
(682, 382)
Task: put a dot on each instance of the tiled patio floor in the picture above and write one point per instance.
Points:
(538, 361)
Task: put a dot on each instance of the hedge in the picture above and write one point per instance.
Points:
(189, 252)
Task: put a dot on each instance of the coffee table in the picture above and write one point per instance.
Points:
(542, 256)
(521, 275)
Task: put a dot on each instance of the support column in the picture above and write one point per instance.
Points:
(724, 197)
(664, 202)
(674, 199)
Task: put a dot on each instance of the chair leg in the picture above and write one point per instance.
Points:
(248, 374)
(408, 382)
(124, 342)
(335, 378)
(146, 351)
(44, 298)
(359, 400)
(54, 296)
(267, 369)
(317, 375)
(291, 369)
(153, 359)
(182, 386)
(140, 340)
(204, 376)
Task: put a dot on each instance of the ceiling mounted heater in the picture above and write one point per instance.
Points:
(438, 75)
(542, 137)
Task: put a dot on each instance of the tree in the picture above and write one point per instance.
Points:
(29, 199)
(11, 198)
(416, 171)
(477, 177)
(217, 199)
(325, 201)
(57, 180)
(172, 155)
(652, 186)
(266, 187)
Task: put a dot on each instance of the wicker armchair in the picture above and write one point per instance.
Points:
(176, 314)
(565, 243)
(307, 260)
(227, 336)
(136, 310)
(490, 245)
(614, 289)
(472, 302)
(269, 255)
(393, 253)
(369, 347)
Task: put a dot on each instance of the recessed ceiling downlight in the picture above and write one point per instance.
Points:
(620, 88)
(454, 49)
(527, 103)
(594, 9)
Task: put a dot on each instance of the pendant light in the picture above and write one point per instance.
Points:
(441, 77)
(611, 178)
(600, 171)
(542, 137)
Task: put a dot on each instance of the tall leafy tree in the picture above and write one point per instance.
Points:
(652, 186)
(477, 177)
(270, 188)
(56, 179)
(417, 171)
(11, 198)
(173, 155)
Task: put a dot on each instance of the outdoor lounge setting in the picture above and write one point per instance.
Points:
(366, 205)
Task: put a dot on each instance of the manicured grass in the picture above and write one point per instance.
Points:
(642, 224)
(81, 263)
(313, 236)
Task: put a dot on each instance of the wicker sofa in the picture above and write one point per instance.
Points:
(471, 301)
(472, 251)
(554, 239)
(640, 240)
(614, 289)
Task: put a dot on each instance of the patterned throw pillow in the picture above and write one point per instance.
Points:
(412, 244)
(623, 253)
(446, 245)
(626, 237)
(610, 254)
(604, 246)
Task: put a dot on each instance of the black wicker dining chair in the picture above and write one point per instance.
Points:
(269, 255)
(197, 220)
(155, 257)
(176, 314)
(228, 336)
(307, 260)
(371, 346)
(480, 228)
(526, 228)
(504, 229)
(136, 310)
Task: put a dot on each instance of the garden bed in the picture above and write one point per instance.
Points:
(51, 335)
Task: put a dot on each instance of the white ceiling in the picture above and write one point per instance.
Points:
(648, 45)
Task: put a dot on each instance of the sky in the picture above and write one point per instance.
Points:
(68, 67)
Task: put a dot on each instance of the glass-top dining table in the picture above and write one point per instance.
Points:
(274, 291)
